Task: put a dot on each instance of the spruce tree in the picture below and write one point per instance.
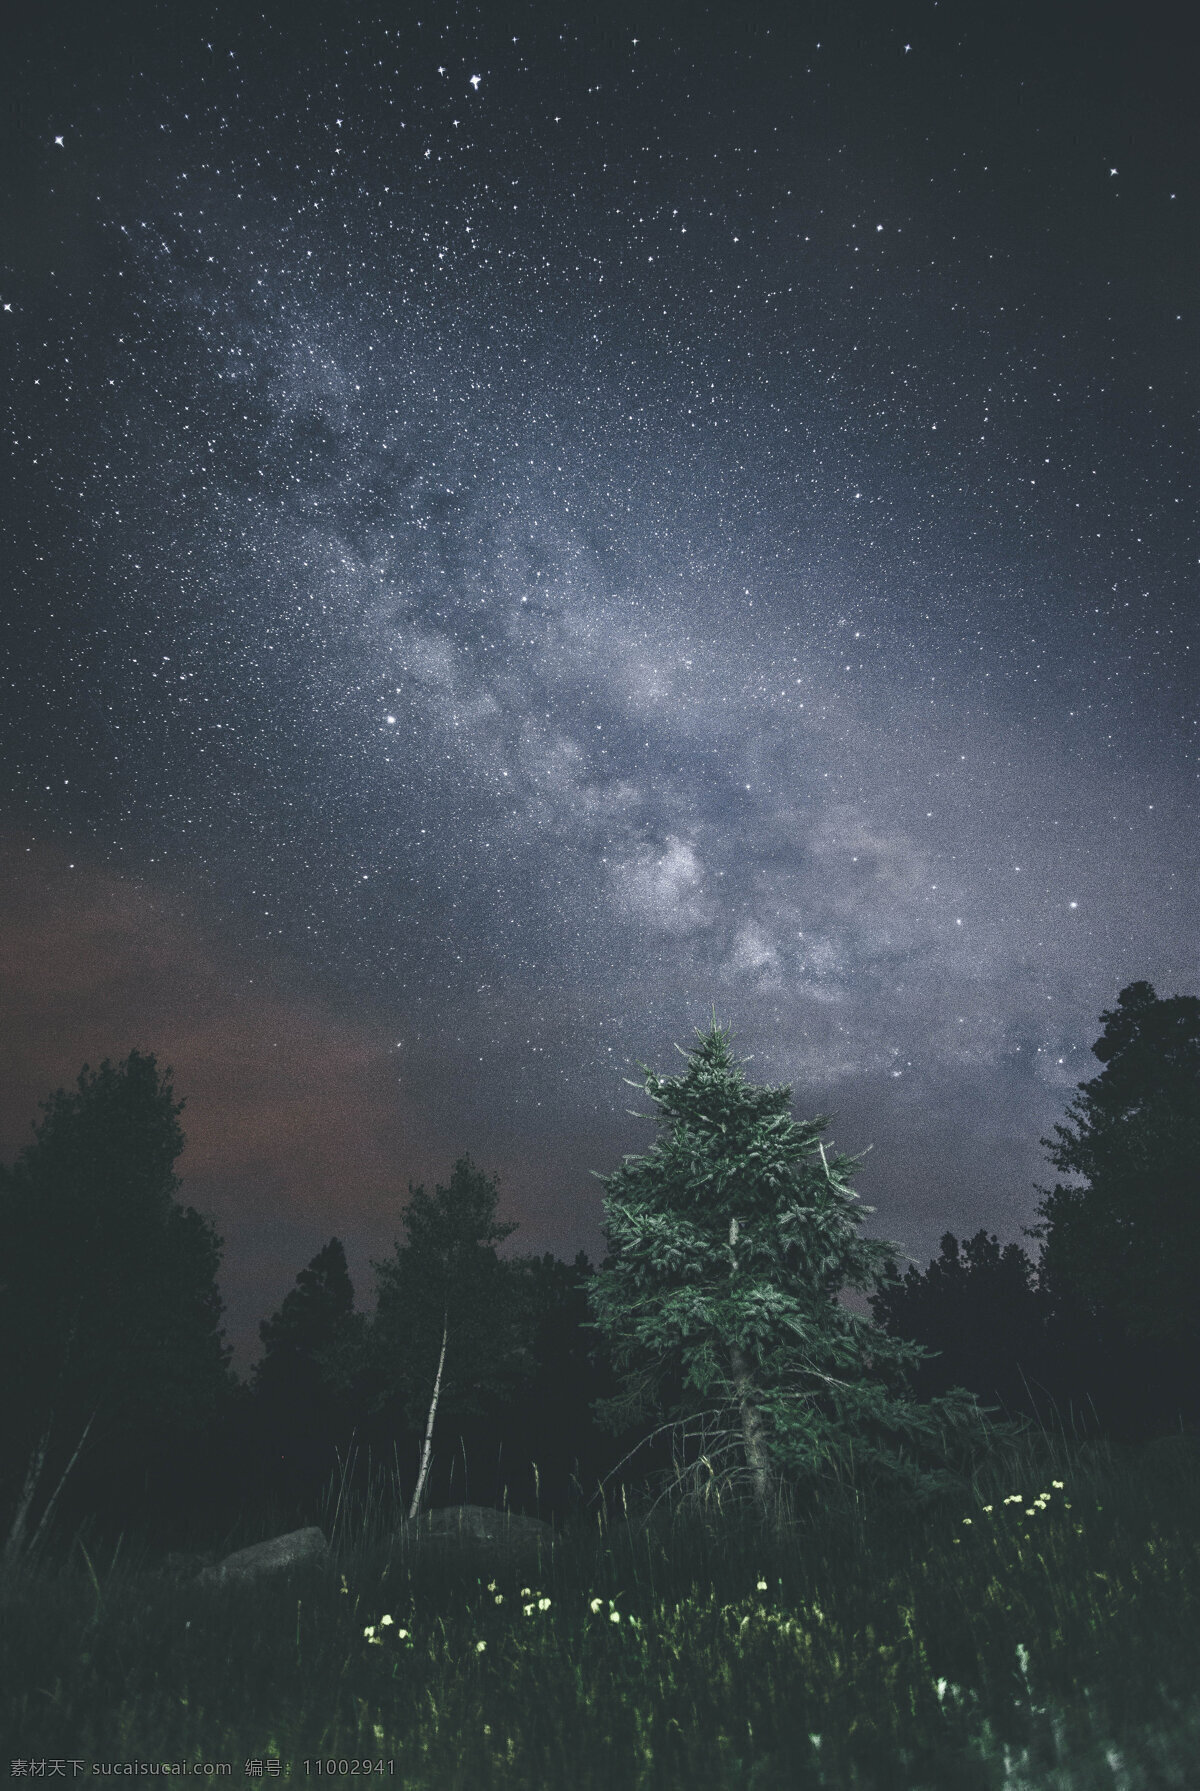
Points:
(729, 1242)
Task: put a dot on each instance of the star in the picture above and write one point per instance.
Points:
(59, 142)
(475, 80)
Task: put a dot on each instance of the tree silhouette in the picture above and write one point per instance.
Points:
(109, 1310)
(446, 1336)
(1121, 1252)
(983, 1316)
(302, 1415)
(1129, 1241)
(729, 1242)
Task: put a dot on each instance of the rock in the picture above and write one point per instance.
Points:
(178, 1566)
(1177, 1453)
(274, 1556)
(480, 1526)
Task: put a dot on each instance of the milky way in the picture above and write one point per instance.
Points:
(547, 528)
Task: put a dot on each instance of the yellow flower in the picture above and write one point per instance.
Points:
(543, 1604)
(387, 1619)
(596, 1603)
(614, 1616)
(1057, 1483)
(479, 1647)
(987, 1508)
(966, 1520)
(369, 1631)
(499, 1598)
(525, 1592)
(527, 1609)
(762, 1585)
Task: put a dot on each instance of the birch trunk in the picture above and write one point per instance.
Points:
(415, 1507)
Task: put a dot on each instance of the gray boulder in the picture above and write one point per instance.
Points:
(479, 1527)
(274, 1556)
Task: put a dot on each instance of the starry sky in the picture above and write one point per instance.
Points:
(528, 524)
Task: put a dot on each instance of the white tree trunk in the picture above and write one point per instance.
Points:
(415, 1507)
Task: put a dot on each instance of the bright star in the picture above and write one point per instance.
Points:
(59, 142)
(475, 79)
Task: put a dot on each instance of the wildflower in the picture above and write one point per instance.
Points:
(491, 1585)
(525, 1592)
(499, 1598)
(543, 1604)
(345, 1587)
(762, 1585)
(479, 1647)
(941, 1689)
(1013, 1499)
(402, 1635)
(966, 1520)
(987, 1508)
(527, 1610)
(614, 1616)
(378, 1728)
(596, 1603)
(386, 1620)
(1057, 1483)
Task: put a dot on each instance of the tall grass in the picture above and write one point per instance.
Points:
(1039, 1628)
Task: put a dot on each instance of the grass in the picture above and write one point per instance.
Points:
(1038, 1630)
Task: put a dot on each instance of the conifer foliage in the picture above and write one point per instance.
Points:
(729, 1242)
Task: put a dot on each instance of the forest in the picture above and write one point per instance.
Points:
(705, 1370)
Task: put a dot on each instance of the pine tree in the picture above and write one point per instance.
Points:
(303, 1412)
(110, 1316)
(728, 1244)
(445, 1339)
(1128, 1242)
(981, 1314)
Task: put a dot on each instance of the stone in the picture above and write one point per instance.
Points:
(480, 1526)
(179, 1566)
(274, 1556)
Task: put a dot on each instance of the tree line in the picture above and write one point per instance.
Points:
(710, 1344)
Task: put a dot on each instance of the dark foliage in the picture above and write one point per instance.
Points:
(109, 1310)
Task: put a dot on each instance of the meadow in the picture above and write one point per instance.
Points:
(1038, 1628)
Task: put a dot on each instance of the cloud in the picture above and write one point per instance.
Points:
(296, 1126)
(664, 889)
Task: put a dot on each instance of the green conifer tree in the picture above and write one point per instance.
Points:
(729, 1242)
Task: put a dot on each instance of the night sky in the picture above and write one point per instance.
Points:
(526, 524)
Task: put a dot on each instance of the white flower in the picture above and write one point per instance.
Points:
(543, 1604)
(479, 1647)
(614, 1616)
